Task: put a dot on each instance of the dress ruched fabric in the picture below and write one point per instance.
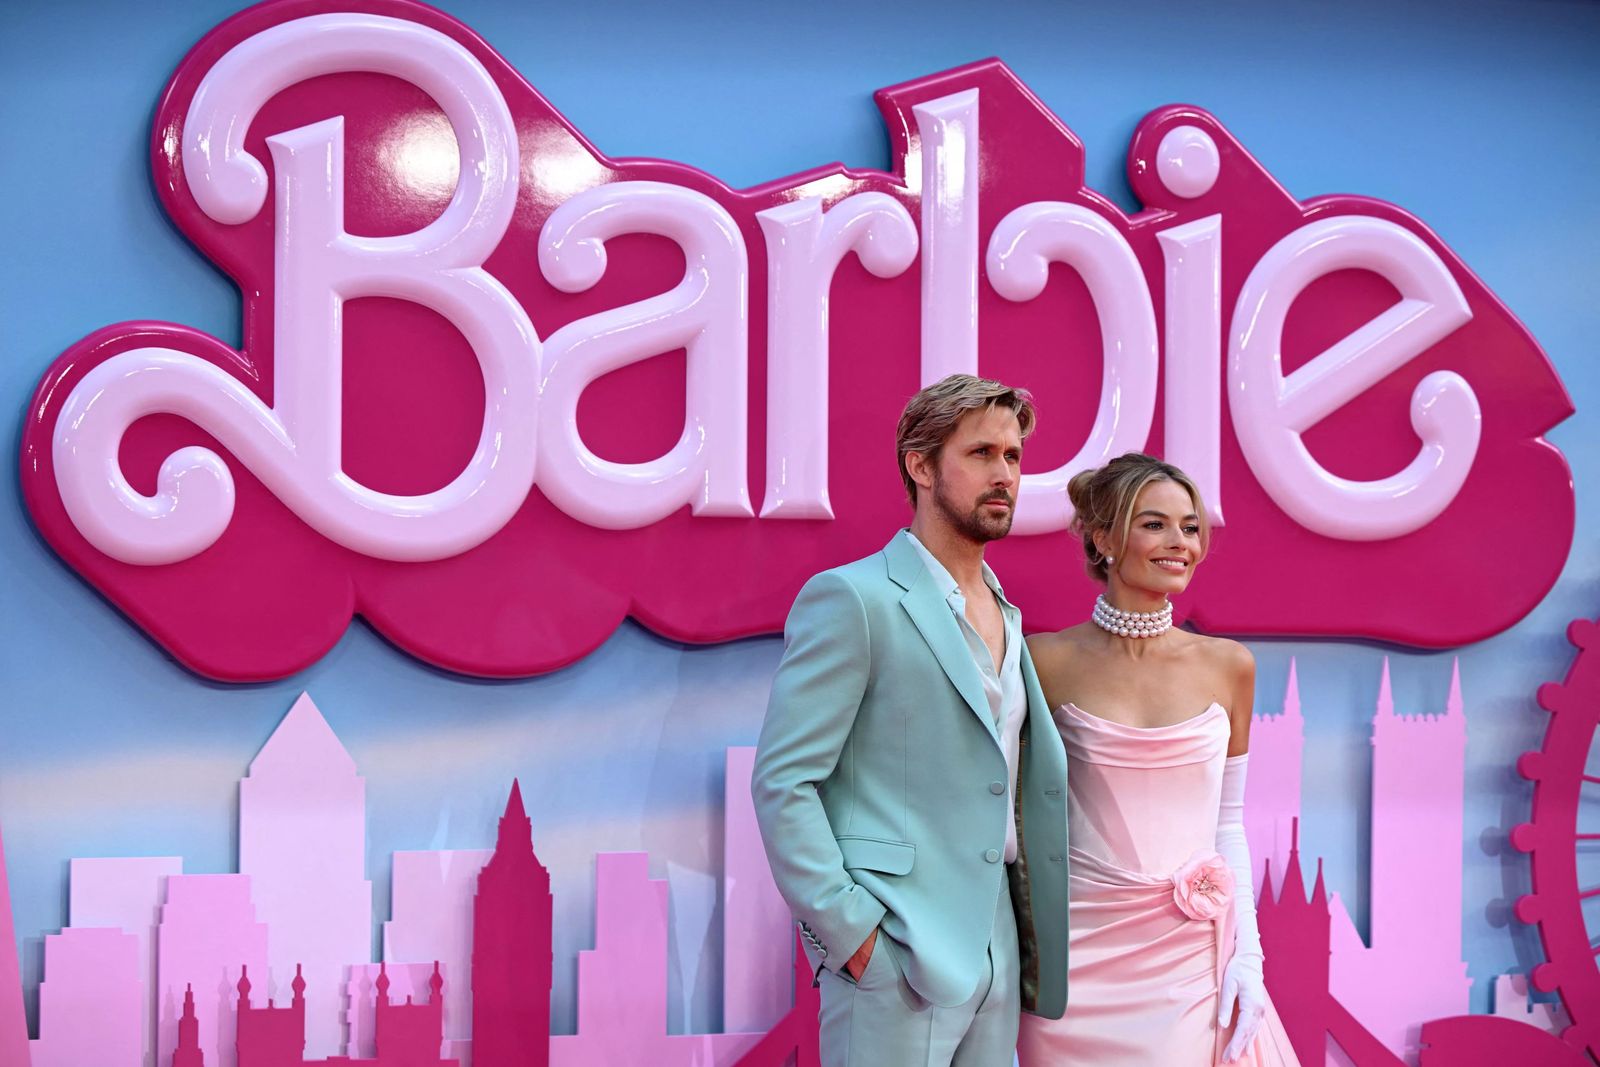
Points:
(1143, 977)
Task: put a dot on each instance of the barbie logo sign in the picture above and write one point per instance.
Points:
(497, 392)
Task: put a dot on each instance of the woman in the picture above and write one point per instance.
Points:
(1156, 721)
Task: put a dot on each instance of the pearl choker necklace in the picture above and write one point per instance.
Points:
(1131, 623)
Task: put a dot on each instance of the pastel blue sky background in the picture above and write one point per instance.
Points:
(1477, 117)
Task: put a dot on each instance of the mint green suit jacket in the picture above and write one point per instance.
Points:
(875, 788)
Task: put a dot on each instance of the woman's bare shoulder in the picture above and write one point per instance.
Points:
(1232, 668)
(1060, 658)
(1061, 644)
(1230, 656)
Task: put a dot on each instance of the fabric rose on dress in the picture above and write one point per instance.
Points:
(1203, 886)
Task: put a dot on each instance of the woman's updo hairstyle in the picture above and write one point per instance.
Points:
(1103, 499)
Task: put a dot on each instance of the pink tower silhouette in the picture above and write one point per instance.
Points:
(302, 841)
(1418, 793)
(403, 983)
(271, 1036)
(1294, 934)
(409, 1035)
(13, 1024)
(1272, 788)
(512, 958)
(1294, 937)
(188, 1053)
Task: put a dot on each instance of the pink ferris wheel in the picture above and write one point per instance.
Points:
(1554, 839)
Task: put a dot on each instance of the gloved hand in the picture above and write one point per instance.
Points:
(1244, 986)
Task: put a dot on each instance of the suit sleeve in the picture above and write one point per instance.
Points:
(816, 695)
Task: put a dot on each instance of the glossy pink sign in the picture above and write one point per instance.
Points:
(497, 392)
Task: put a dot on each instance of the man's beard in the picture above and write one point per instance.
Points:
(977, 523)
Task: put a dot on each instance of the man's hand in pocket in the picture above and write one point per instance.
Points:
(857, 964)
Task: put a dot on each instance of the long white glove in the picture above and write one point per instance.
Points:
(1243, 983)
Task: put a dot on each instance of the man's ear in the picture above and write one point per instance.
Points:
(920, 469)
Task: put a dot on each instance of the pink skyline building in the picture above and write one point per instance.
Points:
(208, 934)
(406, 983)
(409, 1034)
(303, 843)
(124, 893)
(1272, 786)
(405, 1035)
(512, 961)
(188, 1053)
(431, 898)
(90, 974)
(1294, 935)
(757, 987)
(794, 1040)
(13, 1023)
(272, 1036)
(622, 981)
(1418, 796)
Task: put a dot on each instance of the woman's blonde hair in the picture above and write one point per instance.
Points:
(1103, 500)
(932, 415)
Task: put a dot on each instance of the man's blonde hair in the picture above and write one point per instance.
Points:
(932, 415)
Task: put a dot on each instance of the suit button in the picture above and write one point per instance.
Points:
(993, 855)
(997, 788)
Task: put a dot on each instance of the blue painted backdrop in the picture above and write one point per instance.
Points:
(1477, 117)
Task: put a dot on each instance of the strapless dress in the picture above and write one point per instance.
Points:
(1148, 945)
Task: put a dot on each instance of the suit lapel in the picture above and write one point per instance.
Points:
(1039, 713)
(938, 627)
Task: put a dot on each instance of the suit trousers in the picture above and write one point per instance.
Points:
(881, 1021)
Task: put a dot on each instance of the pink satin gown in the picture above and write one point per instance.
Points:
(1144, 976)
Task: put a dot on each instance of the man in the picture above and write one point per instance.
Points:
(910, 784)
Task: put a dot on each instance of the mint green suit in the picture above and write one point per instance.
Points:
(879, 789)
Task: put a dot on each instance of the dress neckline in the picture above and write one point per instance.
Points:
(1207, 710)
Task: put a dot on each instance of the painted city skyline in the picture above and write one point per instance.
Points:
(140, 930)
(149, 946)
(1415, 888)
